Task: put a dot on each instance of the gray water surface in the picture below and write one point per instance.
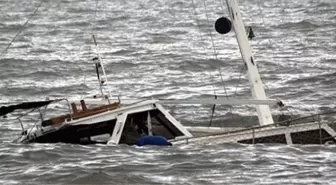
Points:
(163, 49)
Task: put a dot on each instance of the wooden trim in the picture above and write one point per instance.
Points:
(85, 113)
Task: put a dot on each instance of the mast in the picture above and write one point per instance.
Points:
(257, 89)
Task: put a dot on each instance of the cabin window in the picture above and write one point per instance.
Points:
(81, 134)
(311, 137)
(136, 126)
(97, 128)
(269, 139)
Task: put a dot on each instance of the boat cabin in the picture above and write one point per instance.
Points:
(112, 124)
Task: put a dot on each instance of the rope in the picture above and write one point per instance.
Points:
(214, 48)
(215, 54)
(241, 70)
(94, 18)
(22, 28)
(202, 39)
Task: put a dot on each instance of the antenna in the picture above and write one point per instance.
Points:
(99, 64)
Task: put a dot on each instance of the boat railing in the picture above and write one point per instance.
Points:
(304, 119)
(312, 119)
(41, 116)
(72, 114)
(291, 122)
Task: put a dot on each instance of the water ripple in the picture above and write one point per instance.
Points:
(156, 49)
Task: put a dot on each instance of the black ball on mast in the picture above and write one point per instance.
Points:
(223, 25)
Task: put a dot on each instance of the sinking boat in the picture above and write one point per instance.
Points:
(111, 123)
(142, 122)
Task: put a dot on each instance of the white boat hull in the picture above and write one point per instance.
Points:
(305, 133)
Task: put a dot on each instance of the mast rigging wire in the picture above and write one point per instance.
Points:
(94, 18)
(199, 28)
(202, 39)
(214, 48)
(22, 28)
(215, 54)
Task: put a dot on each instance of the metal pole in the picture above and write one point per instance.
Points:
(21, 125)
(41, 115)
(103, 69)
(149, 124)
(257, 87)
(320, 131)
(253, 135)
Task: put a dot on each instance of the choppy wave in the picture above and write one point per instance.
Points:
(156, 49)
(299, 25)
(228, 163)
